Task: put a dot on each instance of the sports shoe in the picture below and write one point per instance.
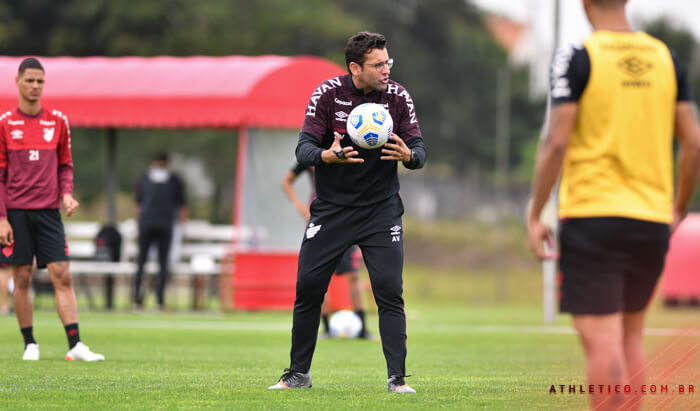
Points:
(366, 335)
(81, 352)
(31, 352)
(291, 380)
(397, 384)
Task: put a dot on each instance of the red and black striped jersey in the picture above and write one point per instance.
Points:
(36, 166)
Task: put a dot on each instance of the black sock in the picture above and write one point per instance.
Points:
(361, 314)
(28, 335)
(326, 328)
(73, 334)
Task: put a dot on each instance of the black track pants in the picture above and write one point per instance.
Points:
(331, 230)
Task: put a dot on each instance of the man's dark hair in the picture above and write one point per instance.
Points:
(161, 156)
(360, 45)
(29, 63)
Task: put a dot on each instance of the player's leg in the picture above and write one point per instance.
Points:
(20, 256)
(316, 262)
(164, 239)
(325, 313)
(24, 306)
(602, 338)
(66, 304)
(5, 274)
(52, 253)
(145, 240)
(326, 238)
(385, 266)
(592, 262)
(317, 259)
(382, 249)
(647, 244)
(633, 327)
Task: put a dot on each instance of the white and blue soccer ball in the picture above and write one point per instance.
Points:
(369, 125)
(345, 324)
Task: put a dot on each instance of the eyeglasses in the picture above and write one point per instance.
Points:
(380, 66)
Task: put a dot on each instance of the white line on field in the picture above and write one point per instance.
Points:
(443, 328)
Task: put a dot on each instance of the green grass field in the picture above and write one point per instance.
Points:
(461, 356)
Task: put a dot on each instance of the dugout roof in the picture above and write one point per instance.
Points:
(176, 92)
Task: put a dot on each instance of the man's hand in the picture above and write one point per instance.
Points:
(304, 211)
(70, 204)
(537, 235)
(7, 237)
(339, 154)
(397, 151)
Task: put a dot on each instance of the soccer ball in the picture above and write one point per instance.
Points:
(345, 324)
(369, 125)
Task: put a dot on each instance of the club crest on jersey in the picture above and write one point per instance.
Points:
(48, 134)
(312, 231)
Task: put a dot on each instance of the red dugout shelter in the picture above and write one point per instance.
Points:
(263, 98)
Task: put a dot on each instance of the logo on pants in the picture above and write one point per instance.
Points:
(395, 234)
(312, 230)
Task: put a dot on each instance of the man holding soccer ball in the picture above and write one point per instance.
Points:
(357, 202)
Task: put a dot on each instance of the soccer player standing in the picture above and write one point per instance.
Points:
(616, 103)
(36, 176)
(357, 202)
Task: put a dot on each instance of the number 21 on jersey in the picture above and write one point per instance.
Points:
(33, 155)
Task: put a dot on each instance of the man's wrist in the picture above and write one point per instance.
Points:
(325, 155)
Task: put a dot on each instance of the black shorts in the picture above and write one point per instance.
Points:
(37, 233)
(610, 264)
(350, 261)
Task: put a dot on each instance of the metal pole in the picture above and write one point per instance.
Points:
(111, 177)
(503, 130)
(111, 184)
(549, 267)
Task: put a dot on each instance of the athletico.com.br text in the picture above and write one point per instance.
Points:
(622, 389)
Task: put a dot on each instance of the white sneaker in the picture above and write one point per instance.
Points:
(31, 352)
(81, 352)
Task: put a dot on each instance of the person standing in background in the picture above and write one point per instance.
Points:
(36, 178)
(160, 202)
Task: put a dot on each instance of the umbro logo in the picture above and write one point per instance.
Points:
(634, 66)
(17, 134)
(312, 230)
(395, 232)
(341, 116)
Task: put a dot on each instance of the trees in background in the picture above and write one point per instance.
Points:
(443, 53)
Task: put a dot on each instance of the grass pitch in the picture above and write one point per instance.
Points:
(460, 356)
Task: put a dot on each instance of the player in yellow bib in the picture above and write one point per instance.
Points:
(616, 103)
